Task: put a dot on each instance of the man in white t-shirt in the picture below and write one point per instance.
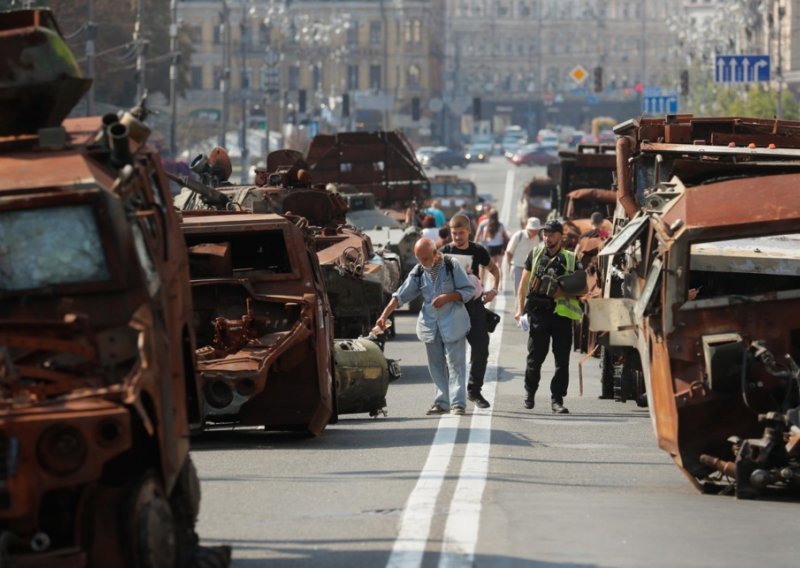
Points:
(520, 246)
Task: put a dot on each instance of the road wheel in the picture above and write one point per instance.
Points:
(148, 525)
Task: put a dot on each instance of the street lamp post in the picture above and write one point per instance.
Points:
(243, 95)
(173, 77)
(224, 86)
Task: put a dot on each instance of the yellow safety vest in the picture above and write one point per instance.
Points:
(567, 307)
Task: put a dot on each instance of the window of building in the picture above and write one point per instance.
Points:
(197, 77)
(218, 34)
(413, 76)
(196, 34)
(352, 34)
(316, 77)
(375, 77)
(375, 33)
(417, 31)
(246, 78)
(352, 78)
(264, 35)
(294, 77)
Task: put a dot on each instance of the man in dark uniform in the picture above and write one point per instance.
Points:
(478, 336)
(548, 297)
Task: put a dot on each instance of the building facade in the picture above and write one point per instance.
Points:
(328, 62)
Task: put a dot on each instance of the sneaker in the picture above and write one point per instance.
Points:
(528, 402)
(478, 399)
(436, 409)
(559, 408)
(458, 410)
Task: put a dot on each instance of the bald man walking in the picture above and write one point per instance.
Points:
(443, 322)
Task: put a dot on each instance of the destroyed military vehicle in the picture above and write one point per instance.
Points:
(266, 354)
(97, 384)
(359, 279)
(702, 294)
(384, 165)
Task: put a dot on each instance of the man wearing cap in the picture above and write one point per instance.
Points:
(548, 294)
(520, 246)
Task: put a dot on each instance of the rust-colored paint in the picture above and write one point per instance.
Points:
(96, 364)
(717, 329)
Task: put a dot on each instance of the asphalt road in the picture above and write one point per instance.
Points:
(498, 487)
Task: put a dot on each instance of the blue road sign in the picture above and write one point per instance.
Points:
(741, 68)
(660, 104)
(592, 100)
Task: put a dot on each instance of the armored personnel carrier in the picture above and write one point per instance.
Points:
(702, 294)
(97, 384)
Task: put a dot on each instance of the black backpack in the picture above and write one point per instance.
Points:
(417, 271)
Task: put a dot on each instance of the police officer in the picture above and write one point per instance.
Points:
(547, 294)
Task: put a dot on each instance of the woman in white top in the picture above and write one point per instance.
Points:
(492, 235)
(520, 246)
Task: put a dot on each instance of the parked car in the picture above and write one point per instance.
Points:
(534, 155)
(445, 158)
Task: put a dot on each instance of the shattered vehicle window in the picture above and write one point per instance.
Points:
(744, 267)
(49, 247)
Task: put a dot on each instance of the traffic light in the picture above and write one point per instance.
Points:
(685, 83)
(301, 101)
(415, 109)
(598, 80)
(476, 108)
(345, 105)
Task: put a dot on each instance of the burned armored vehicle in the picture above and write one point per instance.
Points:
(97, 384)
(359, 278)
(264, 328)
(702, 294)
(382, 164)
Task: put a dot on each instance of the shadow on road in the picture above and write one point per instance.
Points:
(321, 553)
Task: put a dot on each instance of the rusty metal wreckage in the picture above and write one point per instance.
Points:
(97, 381)
(702, 293)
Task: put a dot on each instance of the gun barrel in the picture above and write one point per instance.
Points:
(210, 195)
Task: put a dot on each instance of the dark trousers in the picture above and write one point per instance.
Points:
(478, 338)
(544, 325)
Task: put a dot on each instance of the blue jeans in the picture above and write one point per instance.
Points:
(447, 364)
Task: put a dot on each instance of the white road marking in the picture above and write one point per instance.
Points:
(464, 517)
(461, 530)
(415, 525)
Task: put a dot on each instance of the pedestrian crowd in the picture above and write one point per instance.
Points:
(457, 277)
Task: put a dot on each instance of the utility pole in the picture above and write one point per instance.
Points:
(243, 94)
(643, 7)
(224, 87)
(90, 35)
(779, 70)
(173, 77)
(140, 42)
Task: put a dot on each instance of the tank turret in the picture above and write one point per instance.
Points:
(40, 81)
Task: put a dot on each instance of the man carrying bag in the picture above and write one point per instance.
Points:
(547, 293)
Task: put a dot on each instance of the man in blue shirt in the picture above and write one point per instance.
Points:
(443, 322)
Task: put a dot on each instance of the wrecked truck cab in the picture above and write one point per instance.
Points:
(702, 288)
(97, 383)
(262, 320)
(266, 351)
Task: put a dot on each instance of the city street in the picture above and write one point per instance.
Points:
(504, 486)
